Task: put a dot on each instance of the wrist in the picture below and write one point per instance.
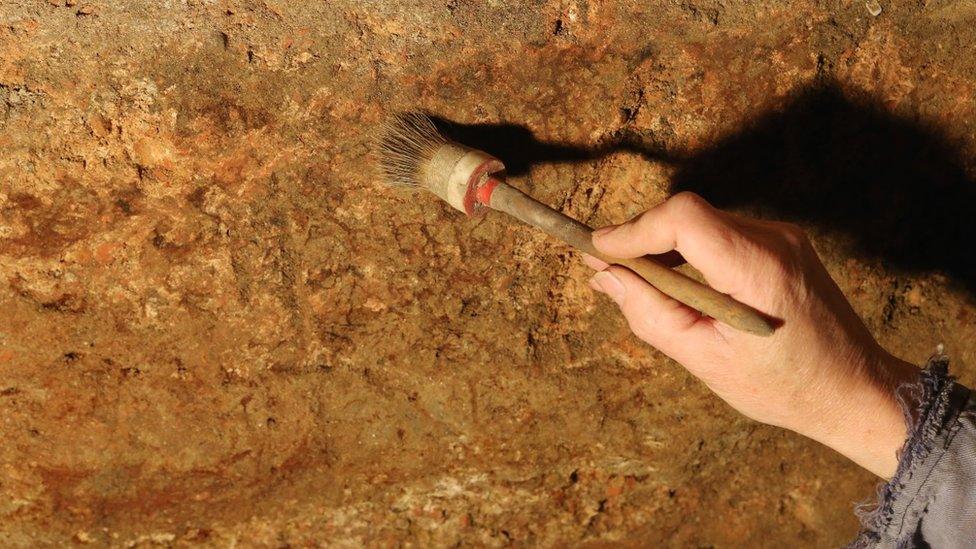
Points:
(862, 417)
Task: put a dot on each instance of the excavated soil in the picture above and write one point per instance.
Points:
(216, 327)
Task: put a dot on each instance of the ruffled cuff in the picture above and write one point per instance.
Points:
(932, 406)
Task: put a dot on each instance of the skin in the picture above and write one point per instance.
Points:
(821, 374)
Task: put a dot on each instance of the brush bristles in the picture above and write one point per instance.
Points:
(406, 143)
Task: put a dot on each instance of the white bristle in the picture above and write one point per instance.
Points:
(407, 142)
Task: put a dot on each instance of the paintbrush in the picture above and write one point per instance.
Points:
(411, 152)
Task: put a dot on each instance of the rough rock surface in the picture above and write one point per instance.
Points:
(216, 327)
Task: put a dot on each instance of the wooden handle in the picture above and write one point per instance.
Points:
(717, 305)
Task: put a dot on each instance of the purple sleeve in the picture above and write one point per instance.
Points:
(931, 501)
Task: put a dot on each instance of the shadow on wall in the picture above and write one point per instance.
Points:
(518, 147)
(896, 187)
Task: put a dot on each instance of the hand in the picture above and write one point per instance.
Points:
(820, 374)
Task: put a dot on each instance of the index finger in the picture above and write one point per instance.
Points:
(711, 240)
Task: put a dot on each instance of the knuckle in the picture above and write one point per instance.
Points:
(689, 202)
(640, 322)
(642, 325)
(781, 263)
(793, 236)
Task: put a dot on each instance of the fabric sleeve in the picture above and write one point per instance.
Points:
(931, 500)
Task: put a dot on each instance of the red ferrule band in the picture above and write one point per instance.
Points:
(484, 192)
(478, 195)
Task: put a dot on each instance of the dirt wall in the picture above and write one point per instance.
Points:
(217, 328)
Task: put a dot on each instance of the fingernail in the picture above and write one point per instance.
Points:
(600, 233)
(609, 284)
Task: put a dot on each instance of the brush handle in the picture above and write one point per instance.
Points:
(715, 304)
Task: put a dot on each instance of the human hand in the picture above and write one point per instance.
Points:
(820, 374)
